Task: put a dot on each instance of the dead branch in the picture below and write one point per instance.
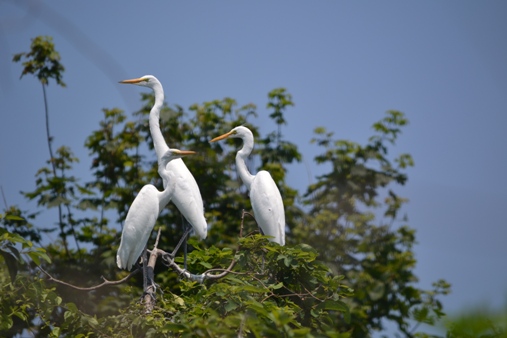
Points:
(168, 260)
(170, 263)
(91, 288)
(150, 290)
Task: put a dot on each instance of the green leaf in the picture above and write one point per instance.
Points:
(12, 263)
(34, 256)
(230, 305)
(277, 286)
(254, 289)
(92, 321)
(206, 265)
(67, 315)
(174, 327)
(13, 218)
(37, 253)
(21, 315)
(55, 332)
(333, 305)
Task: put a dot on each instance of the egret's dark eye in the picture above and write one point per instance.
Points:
(146, 80)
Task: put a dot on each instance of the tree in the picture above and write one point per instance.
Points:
(360, 275)
(478, 322)
(372, 252)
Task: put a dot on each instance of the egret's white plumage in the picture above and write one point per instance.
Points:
(265, 197)
(176, 177)
(143, 214)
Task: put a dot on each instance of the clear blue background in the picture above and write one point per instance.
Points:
(443, 63)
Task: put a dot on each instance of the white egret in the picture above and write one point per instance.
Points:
(143, 214)
(185, 192)
(265, 197)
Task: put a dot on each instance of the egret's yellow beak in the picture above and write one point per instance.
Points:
(132, 81)
(221, 137)
(184, 152)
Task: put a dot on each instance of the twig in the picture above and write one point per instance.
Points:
(292, 294)
(169, 262)
(415, 327)
(158, 237)
(249, 214)
(91, 288)
(242, 220)
(3, 197)
(53, 166)
(241, 326)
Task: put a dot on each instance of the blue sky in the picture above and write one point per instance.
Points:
(345, 63)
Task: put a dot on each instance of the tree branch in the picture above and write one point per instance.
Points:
(169, 262)
(150, 290)
(91, 288)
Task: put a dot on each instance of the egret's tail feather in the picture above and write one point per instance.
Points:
(122, 261)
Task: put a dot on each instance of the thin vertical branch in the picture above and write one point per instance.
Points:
(48, 134)
(149, 277)
(69, 217)
(103, 199)
(3, 197)
(53, 166)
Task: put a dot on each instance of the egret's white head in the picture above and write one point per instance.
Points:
(173, 154)
(238, 132)
(146, 81)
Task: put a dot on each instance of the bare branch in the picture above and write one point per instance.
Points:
(243, 217)
(150, 290)
(169, 262)
(242, 223)
(91, 288)
(3, 197)
(242, 220)
(158, 237)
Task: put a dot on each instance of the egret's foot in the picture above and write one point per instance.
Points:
(145, 293)
(153, 284)
(167, 259)
(152, 293)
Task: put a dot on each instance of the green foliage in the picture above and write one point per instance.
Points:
(59, 191)
(375, 257)
(21, 293)
(263, 296)
(478, 322)
(42, 61)
(16, 221)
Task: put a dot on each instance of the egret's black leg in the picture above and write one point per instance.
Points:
(263, 260)
(183, 239)
(147, 281)
(187, 231)
(148, 278)
(145, 269)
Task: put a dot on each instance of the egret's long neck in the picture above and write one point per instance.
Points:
(158, 140)
(165, 197)
(241, 157)
(167, 194)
